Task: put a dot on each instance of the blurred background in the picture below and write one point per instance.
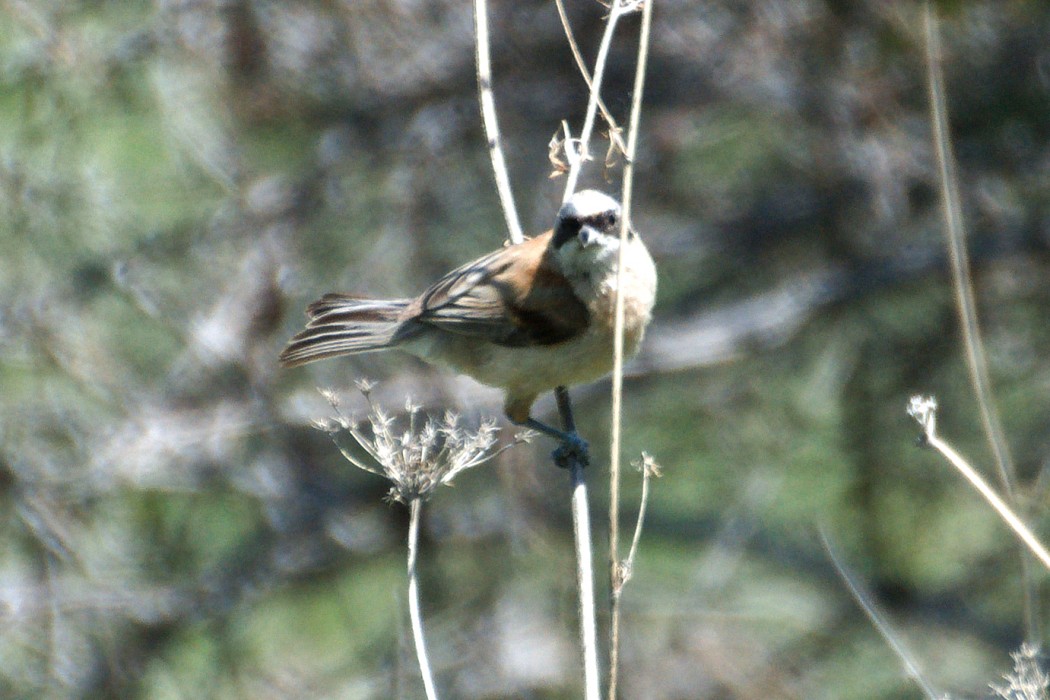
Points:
(179, 178)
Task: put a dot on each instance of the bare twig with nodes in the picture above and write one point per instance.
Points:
(617, 577)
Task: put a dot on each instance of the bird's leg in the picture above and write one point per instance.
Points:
(572, 445)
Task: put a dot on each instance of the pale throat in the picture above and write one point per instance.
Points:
(594, 266)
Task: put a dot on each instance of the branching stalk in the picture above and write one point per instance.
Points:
(570, 36)
(577, 151)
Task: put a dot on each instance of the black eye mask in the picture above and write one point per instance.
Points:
(566, 231)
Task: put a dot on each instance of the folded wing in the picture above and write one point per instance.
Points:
(512, 297)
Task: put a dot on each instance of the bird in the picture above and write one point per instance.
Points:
(525, 318)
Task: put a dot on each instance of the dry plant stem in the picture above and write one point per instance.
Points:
(581, 528)
(964, 297)
(989, 494)
(580, 509)
(570, 36)
(617, 388)
(867, 604)
(628, 563)
(487, 100)
(415, 506)
(577, 152)
(585, 581)
(621, 573)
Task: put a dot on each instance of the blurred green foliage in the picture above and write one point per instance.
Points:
(178, 179)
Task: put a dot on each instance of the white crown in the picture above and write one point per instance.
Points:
(587, 203)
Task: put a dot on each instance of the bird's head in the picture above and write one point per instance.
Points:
(587, 230)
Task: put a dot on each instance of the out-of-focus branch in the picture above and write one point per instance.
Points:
(867, 604)
(965, 304)
(960, 263)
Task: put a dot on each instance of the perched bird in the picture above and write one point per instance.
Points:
(525, 318)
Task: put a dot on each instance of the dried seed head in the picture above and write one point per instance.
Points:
(415, 458)
(647, 465)
(924, 410)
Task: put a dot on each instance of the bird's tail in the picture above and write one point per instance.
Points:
(342, 325)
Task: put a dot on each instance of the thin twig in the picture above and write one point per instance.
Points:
(867, 604)
(415, 506)
(487, 101)
(570, 36)
(650, 470)
(576, 151)
(989, 494)
(581, 528)
(617, 376)
(924, 410)
(966, 306)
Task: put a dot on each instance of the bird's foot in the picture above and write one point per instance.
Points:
(573, 448)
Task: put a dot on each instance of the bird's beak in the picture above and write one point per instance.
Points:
(587, 236)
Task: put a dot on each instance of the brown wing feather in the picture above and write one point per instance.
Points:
(481, 299)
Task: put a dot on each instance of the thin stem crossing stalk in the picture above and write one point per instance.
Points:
(578, 153)
(614, 129)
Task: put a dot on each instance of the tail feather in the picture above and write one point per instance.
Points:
(342, 325)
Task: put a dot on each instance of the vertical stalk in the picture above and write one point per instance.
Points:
(414, 508)
(616, 583)
(581, 528)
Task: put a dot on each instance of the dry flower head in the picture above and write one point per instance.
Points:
(416, 452)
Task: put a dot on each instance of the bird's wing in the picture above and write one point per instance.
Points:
(510, 297)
